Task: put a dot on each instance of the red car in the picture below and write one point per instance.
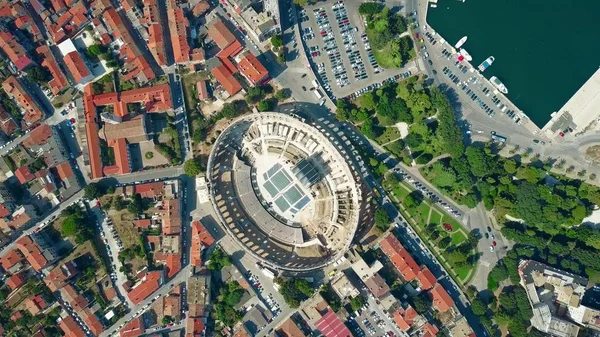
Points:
(494, 243)
(561, 134)
(416, 35)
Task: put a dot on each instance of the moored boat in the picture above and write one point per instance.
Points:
(466, 55)
(485, 64)
(460, 42)
(498, 84)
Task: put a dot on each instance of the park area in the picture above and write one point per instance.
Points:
(440, 231)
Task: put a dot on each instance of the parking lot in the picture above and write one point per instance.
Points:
(367, 323)
(339, 50)
(464, 76)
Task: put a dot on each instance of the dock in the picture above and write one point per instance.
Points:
(580, 111)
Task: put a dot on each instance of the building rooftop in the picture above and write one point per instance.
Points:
(15, 281)
(200, 239)
(377, 285)
(252, 69)
(331, 325)
(77, 67)
(226, 79)
(70, 328)
(134, 328)
(32, 253)
(149, 284)
(441, 300)
(38, 136)
(400, 257)
(14, 50)
(14, 89)
(426, 279)
(220, 34)
(289, 329)
(171, 217)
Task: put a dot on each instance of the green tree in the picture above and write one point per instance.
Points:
(92, 191)
(367, 100)
(277, 41)
(357, 302)
(218, 259)
(192, 167)
(421, 303)
(266, 105)
(413, 140)
(284, 93)
(479, 307)
(69, 227)
(369, 8)
(382, 219)
(167, 319)
(97, 49)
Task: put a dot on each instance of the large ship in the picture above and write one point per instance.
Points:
(485, 64)
(460, 42)
(498, 84)
(466, 55)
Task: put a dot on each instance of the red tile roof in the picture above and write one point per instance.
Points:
(194, 327)
(75, 299)
(7, 124)
(4, 211)
(134, 328)
(122, 165)
(405, 318)
(70, 327)
(441, 300)
(32, 253)
(92, 322)
(64, 170)
(201, 89)
(230, 51)
(171, 218)
(15, 281)
(200, 239)
(59, 81)
(14, 50)
(400, 257)
(58, 277)
(225, 77)
(24, 174)
(35, 304)
(430, 330)
(38, 136)
(173, 264)
(332, 326)
(10, 259)
(146, 287)
(251, 67)
(149, 190)
(14, 89)
(220, 34)
(91, 131)
(76, 66)
(426, 279)
(178, 27)
(142, 223)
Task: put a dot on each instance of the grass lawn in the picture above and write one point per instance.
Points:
(463, 272)
(458, 238)
(390, 133)
(189, 87)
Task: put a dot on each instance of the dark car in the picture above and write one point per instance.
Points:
(304, 88)
(489, 228)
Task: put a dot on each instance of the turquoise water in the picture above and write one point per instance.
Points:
(544, 50)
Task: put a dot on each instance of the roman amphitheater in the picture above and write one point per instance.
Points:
(283, 190)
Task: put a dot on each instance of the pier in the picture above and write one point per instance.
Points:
(579, 112)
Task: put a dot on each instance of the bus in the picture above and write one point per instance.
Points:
(498, 138)
(315, 84)
(318, 94)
